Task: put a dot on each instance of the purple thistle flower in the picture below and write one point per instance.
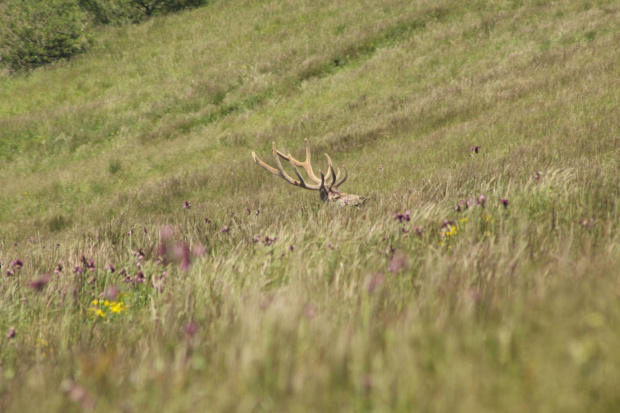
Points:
(187, 205)
(58, 269)
(481, 200)
(199, 250)
(207, 220)
(111, 293)
(397, 262)
(11, 333)
(257, 212)
(15, 244)
(10, 273)
(447, 224)
(375, 281)
(225, 230)
(406, 216)
(268, 241)
(17, 264)
(248, 210)
(504, 202)
(291, 248)
(475, 149)
(537, 175)
(309, 311)
(39, 283)
(78, 270)
(111, 267)
(191, 328)
(166, 232)
(182, 255)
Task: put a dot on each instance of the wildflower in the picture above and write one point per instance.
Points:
(447, 224)
(268, 241)
(116, 307)
(15, 244)
(451, 231)
(17, 264)
(475, 149)
(11, 333)
(375, 281)
(248, 210)
(291, 248)
(91, 265)
(257, 212)
(406, 216)
(463, 220)
(111, 267)
(309, 311)
(187, 205)
(586, 223)
(225, 230)
(191, 328)
(98, 312)
(139, 278)
(78, 394)
(58, 269)
(199, 250)
(397, 262)
(182, 255)
(158, 282)
(482, 200)
(78, 270)
(330, 246)
(40, 282)
(111, 293)
(537, 175)
(504, 202)
(10, 273)
(207, 220)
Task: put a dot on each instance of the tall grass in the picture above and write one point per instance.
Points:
(470, 281)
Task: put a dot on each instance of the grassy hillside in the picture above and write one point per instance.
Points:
(470, 281)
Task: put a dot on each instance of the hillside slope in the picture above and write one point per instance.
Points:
(497, 291)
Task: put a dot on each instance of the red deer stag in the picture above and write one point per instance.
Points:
(328, 193)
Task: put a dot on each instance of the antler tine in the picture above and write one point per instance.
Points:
(301, 183)
(305, 164)
(344, 178)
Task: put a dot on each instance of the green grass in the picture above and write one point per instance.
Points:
(501, 309)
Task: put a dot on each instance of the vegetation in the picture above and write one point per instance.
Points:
(149, 264)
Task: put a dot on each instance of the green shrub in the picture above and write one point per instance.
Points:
(34, 33)
(114, 12)
(150, 7)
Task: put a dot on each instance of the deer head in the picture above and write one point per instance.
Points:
(328, 192)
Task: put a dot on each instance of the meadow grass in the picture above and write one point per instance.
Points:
(470, 281)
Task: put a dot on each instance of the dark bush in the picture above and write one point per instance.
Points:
(38, 32)
(115, 12)
(150, 7)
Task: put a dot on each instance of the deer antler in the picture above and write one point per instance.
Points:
(327, 194)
